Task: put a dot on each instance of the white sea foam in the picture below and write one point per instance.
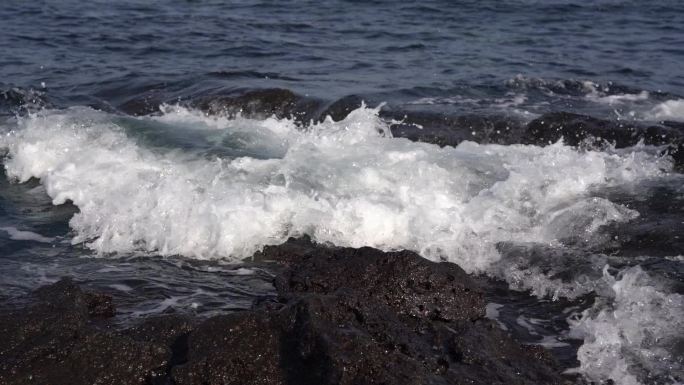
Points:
(121, 287)
(344, 182)
(492, 312)
(512, 103)
(633, 338)
(618, 99)
(349, 183)
(551, 342)
(22, 235)
(160, 306)
(635, 105)
(668, 110)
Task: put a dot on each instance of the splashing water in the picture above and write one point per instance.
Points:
(208, 187)
(348, 183)
(631, 339)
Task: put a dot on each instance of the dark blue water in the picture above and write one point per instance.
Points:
(570, 229)
(383, 50)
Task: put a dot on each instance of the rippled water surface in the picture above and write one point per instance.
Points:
(115, 174)
(433, 49)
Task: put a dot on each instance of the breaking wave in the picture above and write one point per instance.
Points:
(241, 184)
(631, 336)
(184, 183)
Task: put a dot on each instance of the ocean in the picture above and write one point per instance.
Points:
(151, 148)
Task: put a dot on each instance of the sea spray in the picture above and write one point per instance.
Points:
(238, 184)
(632, 334)
(345, 182)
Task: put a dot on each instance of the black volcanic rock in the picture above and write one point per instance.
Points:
(16, 100)
(339, 109)
(362, 316)
(393, 318)
(344, 339)
(261, 103)
(240, 348)
(403, 281)
(343, 316)
(55, 342)
(142, 105)
(577, 129)
(436, 128)
(250, 103)
(450, 130)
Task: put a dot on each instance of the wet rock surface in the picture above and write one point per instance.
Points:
(19, 101)
(342, 316)
(446, 130)
(573, 129)
(252, 103)
(577, 129)
(430, 127)
(403, 281)
(277, 102)
(57, 341)
(438, 128)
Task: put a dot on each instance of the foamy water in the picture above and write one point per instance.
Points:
(668, 110)
(631, 335)
(240, 184)
(207, 192)
(20, 235)
(347, 183)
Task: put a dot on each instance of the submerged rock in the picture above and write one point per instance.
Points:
(343, 316)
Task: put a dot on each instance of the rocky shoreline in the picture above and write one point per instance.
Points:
(342, 316)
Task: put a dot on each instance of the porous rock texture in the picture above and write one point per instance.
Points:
(343, 316)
